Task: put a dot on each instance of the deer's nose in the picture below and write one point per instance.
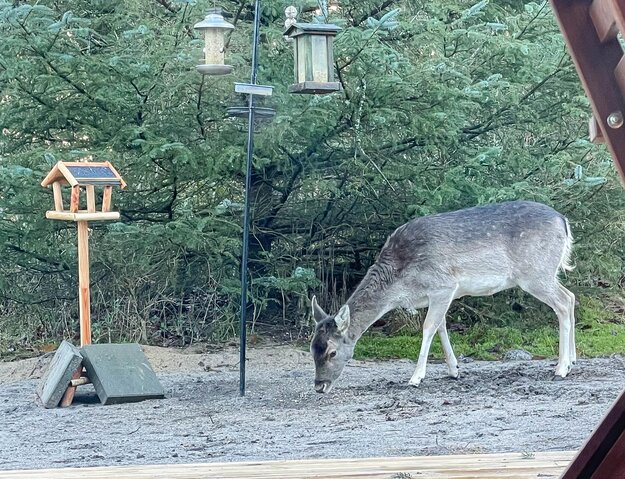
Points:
(322, 386)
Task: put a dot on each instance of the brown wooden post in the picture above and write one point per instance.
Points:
(90, 198)
(106, 199)
(68, 396)
(83, 282)
(58, 197)
(75, 199)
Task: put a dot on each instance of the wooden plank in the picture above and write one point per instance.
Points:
(618, 10)
(70, 392)
(594, 132)
(83, 283)
(58, 196)
(106, 199)
(613, 464)
(595, 63)
(543, 465)
(67, 174)
(619, 74)
(82, 216)
(116, 174)
(90, 198)
(83, 163)
(600, 442)
(603, 18)
(74, 204)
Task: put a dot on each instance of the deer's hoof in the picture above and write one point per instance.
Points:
(414, 382)
(562, 370)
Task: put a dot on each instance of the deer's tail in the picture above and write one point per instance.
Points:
(565, 261)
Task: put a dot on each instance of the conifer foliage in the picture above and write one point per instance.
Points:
(446, 104)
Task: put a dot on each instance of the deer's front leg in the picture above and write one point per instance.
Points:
(438, 306)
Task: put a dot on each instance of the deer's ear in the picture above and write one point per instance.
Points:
(317, 313)
(342, 319)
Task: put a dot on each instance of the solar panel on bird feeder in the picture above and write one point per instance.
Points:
(97, 175)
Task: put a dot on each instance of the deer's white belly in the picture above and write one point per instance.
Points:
(483, 285)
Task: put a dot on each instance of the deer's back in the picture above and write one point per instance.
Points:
(484, 249)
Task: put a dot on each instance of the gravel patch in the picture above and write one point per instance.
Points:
(492, 407)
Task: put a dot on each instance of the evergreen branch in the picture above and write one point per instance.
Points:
(60, 74)
(168, 5)
(43, 259)
(374, 11)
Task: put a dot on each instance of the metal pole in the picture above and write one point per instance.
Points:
(246, 214)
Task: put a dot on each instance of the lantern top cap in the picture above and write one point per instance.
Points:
(84, 173)
(312, 28)
(213, 20)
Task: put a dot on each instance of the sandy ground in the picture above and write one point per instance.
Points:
(493, 407)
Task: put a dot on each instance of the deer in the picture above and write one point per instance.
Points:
(432, 260)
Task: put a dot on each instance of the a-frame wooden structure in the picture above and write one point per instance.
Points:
(591, 31)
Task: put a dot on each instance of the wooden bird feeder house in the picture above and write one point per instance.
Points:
(83, 176)
(314, 58)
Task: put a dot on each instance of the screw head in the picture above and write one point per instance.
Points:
(615, 119)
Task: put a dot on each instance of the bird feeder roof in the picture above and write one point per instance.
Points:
(84, 174)
(312, 29)
(214, 19)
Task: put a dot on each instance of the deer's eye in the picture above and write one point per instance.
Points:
(332, 354)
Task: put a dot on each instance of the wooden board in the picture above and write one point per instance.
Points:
(82, 216)
(602, 455)
(542, 465)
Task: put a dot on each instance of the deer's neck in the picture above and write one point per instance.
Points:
(370, 301)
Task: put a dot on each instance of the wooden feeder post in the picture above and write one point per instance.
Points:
(83, 283)
(81, 176)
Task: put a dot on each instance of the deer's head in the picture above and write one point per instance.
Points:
(331, 346)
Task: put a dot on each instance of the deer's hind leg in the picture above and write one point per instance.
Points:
(434, 319)
(562, 301)
(450, 357)
(572, 347)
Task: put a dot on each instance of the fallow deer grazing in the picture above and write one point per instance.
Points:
(432, 260)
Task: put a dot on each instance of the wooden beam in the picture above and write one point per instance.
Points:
(543, 465)
(80, 381)
(82, 216)
(603, 18)
(594, 131)
(106, 199)
(83, 283)
(67, 174)
(74, 204)
(604, 449)
(90, 198)
(68, 397)
(618, 10)
(595, 63)
(58, 196)
(619, 74)
(119, 177)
